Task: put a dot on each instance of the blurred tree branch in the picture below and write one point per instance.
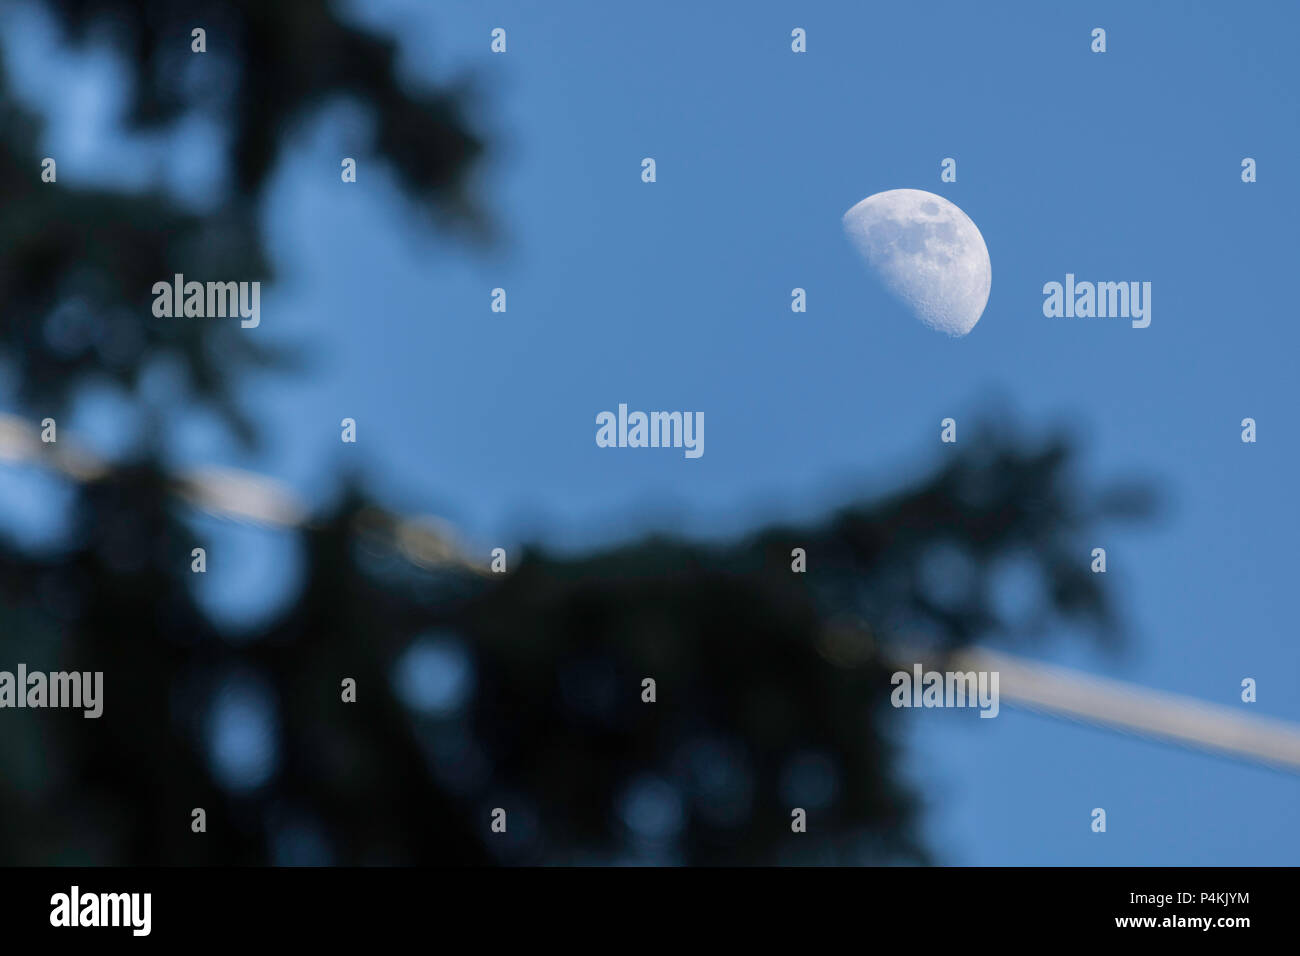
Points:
(759, 670)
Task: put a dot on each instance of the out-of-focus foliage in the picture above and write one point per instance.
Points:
(79, 263)
(521, 691)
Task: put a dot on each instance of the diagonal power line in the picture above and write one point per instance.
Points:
(430, 542)
(242, 496)
(1122, 706)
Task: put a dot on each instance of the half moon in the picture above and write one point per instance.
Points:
(927, 253)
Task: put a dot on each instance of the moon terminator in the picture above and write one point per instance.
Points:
(927, 253)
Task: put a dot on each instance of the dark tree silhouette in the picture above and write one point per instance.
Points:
(772, 687)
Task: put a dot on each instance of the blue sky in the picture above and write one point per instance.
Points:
(1118, 166)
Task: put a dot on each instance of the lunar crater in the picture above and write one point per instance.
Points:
(927, 253)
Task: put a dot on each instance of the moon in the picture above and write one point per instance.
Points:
(927, 253)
